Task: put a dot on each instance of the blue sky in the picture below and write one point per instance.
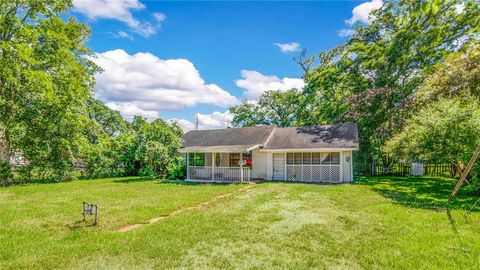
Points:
(175, 59)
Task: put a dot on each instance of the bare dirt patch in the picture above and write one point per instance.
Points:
(130, 227)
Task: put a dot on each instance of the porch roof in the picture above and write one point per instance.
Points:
(219, 149)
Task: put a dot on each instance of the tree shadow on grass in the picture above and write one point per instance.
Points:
(189, 183)
(422, 192)
(135, 180)
(164, 181)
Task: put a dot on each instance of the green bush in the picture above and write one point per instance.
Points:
(5, 173)
(147, 172)
(176, 169)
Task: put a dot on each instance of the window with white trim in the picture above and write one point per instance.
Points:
(196, 159)
(324, 158)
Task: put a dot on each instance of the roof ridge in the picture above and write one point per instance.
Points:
(215, 129)
(269, 136)
(327, 125)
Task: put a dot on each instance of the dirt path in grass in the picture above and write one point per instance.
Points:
(130, 227)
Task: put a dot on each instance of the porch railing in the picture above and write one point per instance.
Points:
(219, 174)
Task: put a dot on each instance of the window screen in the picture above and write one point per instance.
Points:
(208, 159)
(325, 158)
(234, 160)
(289, 158)
(217, 160)
(335, 158)
(307, 158)
(196, 159)
(298, 158)
(191, 159)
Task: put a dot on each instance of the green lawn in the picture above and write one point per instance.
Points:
(394, 223)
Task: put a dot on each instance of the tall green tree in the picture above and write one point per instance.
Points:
(447, 131)
(155, 145)
(103, 121)
(108, 143)
(277, 107)
(146, 149)
(372, 78)
(45, 79)
(445, 126)
(457, 77)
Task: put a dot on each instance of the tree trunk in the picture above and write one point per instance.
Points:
(4, 147)
(5, 169)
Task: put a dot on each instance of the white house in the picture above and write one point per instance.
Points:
(293, 154)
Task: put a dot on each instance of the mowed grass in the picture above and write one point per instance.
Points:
(374, 223)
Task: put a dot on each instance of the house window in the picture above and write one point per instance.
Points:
(234, 160)
(289, 158)
(307, 158)
(330, 158)
(297, 158)
(247, 158)
(196, 159)
(335, 158)
(326, 158)
(217, 160)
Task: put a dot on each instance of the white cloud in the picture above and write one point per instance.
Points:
(144, 83)
(184, 124)
(159, 17)
(288, 47)
(122, 34)
(346, 32)
(120, 10)
(361, 13)
(215, 120)
(256, 83)
(129, 110)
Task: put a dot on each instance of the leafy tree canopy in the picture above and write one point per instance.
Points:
(278, 108)
(447, 131)
(373, 78)
(48, 114)
(45, 79)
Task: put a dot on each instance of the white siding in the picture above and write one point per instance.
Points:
(259, 165)
(269, 166)
(347, 166)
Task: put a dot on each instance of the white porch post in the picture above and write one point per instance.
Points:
(188, 169)
(213, 166)
(341, 167)
(241, 167)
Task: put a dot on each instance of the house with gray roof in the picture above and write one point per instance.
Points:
(292, 154)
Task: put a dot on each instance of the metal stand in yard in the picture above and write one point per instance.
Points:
(90, 209)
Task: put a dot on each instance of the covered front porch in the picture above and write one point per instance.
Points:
(209, 164)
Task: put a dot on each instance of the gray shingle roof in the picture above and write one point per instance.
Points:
(330, 136)
(228, 136)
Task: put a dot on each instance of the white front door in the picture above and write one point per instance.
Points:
(279, 166)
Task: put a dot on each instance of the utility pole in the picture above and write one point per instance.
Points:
(196, 121)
